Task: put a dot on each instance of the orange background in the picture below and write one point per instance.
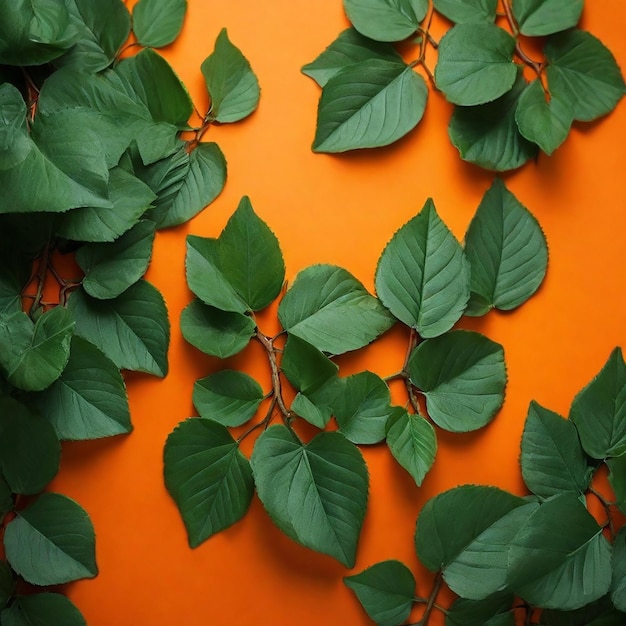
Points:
(342, 210)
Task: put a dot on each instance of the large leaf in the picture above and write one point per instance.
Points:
(386, 20)
(422, 275)
(507, 252)
(552, 458)
(15, 143)
(386, 591)
(132, 330)
(157, 23)
(34, 355)
(232, 85)
(599, 410)
(331, 309)
(618, 585)
(208, 477)
(492, 611)
(583, 72)
(51, 542)
(475, 63)
(617, 478)
(89, 400)
(306, 368)
(553, 569)
(467, 11)
(369, 104)
(462, 374)
(600, 613)
(316, 493)
(349, 48)
(29, 448)
(545, 17)
(42, 609)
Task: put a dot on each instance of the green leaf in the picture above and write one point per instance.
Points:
(42, 609)
(583, 73)
(89, 400)
(243, 270)
(552, 458)
(463, 376)
(349, 48)
(386, 20)
(329, 308)
(618, 585)
(15, 272)
(543, 121)
(306, 368)
(29, 448)
(492, 611)
(316, 493)
(111, 268)
(15, 145)
(467, 11)
(157, 23)
(557, 570)
(386, 591)
(132, 330)
(600, 613)
(475, 63)
(51, 542)
(230, 81)
(599, 410)
(214, 332)
(208, 477)
(487, 135)
(7, 584)
(369, 104)
(507, 252)
(34, 355)
(422, 276)
(536, 18)
(617, 478)
(465, 532)
(317, 414)
(413, 443)
(228, 397)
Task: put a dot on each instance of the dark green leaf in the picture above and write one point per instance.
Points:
(413, 443)
(492, 611)
(583, 73)
(317, 414)
(617, 478)
(7, 584)
(331, 309)
(487, 135)
(349, 48)
(157, 23)
(208, 477)
(15, 145)
(34, 355)
(422, 275)
(111, 268)
(89, 400)
(316, 493)
(132, 330)
(214, 332)
(51, 542)
(507, 252)
(306, 368)
(29, 448)
(42, 609)
(467, 11)
(599, 410)
(6, 498)
(475, 63)
(386, 20)
(228, 397)
(232, 85)
(15, 267)
(600, 613)
(536, 18)
(369, 104)
(618, 585)
(386, 591)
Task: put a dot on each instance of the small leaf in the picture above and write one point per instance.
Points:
(214, 332)
(42, 609)
(422, 275)
(386, 591)
(208, 477)
(316, 493)
(492, 611)
(413, 443)
(467, 11)
(475, 63)
(600, 613)
(15, 145)
(618, 585)
(369, 104)
(228, 397)
(230, 81)
(536, 18)
(330, 309)
(349, 48)
(7, 584)
(507, 252)
(51, 542)
(386, 20)
(306, 368)
(304, 407)
(157, 23)
(617, 478)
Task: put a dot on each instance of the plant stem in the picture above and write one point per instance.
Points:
(606, 504)
(537, 67)
(271, 350)
(42, 270)
(264, 422)
(432, 598)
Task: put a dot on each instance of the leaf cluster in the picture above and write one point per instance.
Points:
(507, 106)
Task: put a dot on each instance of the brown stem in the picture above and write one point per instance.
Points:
(268, 344)
(537, 67)
(41, 277)
(263, 423)
(432, 599)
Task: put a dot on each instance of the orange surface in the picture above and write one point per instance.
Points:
(342, 210)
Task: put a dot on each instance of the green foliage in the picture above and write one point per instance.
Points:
(43, 609)
(371, 98)
(158, 22)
